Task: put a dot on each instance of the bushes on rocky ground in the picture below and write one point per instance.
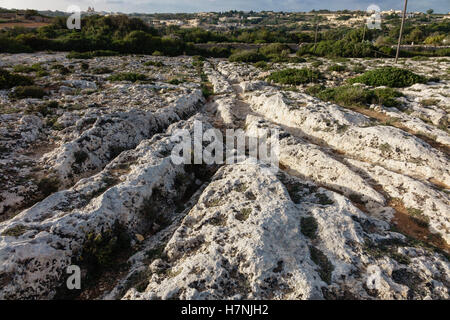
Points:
(48, 185)
(101, 70)
(321, 260)
(9, 80)
(337, 68)
(295, 76)
(22, 92)
(154, 63)
(100, 250)
(356, 96)
(128, 76)
(340, 48)
(247, 56)
(91, 54)
(308, 226)
(274, 48)
(390, 77)
(27, 69)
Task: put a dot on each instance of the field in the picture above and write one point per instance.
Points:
(87, 177)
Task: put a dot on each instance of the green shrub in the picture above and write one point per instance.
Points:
(295, 76)
(100, 249)
(308, 226)
(176, 81)
(128, 76)
(9, 80)
(261, 64)
(386, 97)
(154, 63)
(390, 77)
(337, 68)
(27, 69)
(356, 96)
(47, 186)
(247, 56)
(91, 54)
(101, 70)
(274, 48)
(28, 92)
(321, 260)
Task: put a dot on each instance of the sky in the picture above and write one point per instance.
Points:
(151, 6)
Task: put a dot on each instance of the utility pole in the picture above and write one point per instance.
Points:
(364, 32)
(315, 36)
(401, 31)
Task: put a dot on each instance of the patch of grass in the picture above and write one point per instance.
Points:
(244, 214)
(419, 217)
(15, 231)
(99, 249)
(308, 226)
(48, 185)
(337, 68)
(177, 81)
(80, 156)
(22, 92)
(429, 102)
(261, 65)
(101, 70)
(323, 199)
(91, 54)
(388, 76)
(128, 76)
(154, 63)
(247, 56)
(295, 76)
(9, 80)
(356, 96)
(385, 148)
(27, 69)
(325, 266)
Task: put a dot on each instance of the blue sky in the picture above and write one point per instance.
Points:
(442, 6)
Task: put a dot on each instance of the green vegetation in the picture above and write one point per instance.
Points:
(247, 56)
(15, 231)
(22, 92)
(308, 226)
(9, 80)
(390, 77)
(128, 76)
(176, 81)
(337, 68)
(27, 69)
(48, 185)
(91, 54)
(154, 63)
(419, 217)
(244, 214)
(101, 70)
(295, 76)
(325, 266)
(100, 249)
(356, 96)
(80, 156)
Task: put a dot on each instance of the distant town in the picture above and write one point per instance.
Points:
(230, 20)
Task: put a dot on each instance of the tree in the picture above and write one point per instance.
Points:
(430, 11)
